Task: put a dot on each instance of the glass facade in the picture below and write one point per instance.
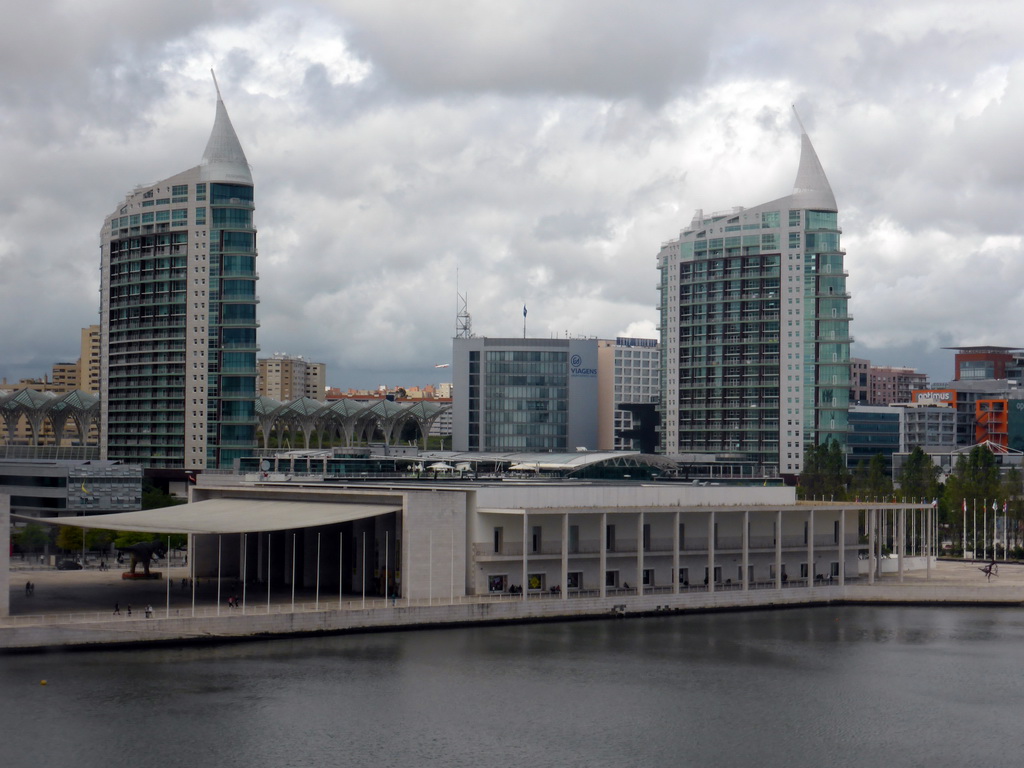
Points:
(526, 399)
(178, 331)
(755, 330)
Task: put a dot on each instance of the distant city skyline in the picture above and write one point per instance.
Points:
(541, 174)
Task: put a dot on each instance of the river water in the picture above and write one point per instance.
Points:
(843, 686)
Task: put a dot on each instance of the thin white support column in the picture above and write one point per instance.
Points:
(640, 553)
(842, 547)
(871, 546)
(318, 570)
(778, 549)
(675, 555)
(564, 586)
(602, 576)
(928, 543)
(245, 564)
(526, 544)
(711, 551)
(293, 572)
(901, 539)
(218, 572)
(745, 560)
(810, 547)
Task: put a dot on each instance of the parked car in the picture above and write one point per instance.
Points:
(68, 565)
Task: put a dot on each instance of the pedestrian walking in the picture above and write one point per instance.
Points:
(129, 609)
(117, 609)
(149, 611)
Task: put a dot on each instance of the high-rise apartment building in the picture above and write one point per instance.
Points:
(754, 325)
(178, 315)
(89, 361)
(286, 378)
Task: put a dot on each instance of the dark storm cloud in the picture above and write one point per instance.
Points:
(540, 150)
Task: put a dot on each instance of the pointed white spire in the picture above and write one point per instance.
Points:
(811, 188)
(224, 159)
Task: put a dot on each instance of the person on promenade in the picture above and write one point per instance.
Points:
(129, 609)
(117, 609)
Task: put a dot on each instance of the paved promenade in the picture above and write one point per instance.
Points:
(76, 607)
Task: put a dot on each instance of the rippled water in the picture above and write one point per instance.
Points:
(850, 686)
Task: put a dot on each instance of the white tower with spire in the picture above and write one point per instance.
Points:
(755, 331)
(178, 315)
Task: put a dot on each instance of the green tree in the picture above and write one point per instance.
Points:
(824, 474)
(32, 538)
(918, 478)
(69, 538)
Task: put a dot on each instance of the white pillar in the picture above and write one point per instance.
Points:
(711, 551)
(640, 553)
(810, 546)
(778, 549)
(842, 547)
(526, 544)
(675, 555)
(603, 557)
(871, 546)
(745, 578)
(901, 539)
(928, 543)
(564, 586)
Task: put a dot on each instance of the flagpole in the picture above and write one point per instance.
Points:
(524, 321)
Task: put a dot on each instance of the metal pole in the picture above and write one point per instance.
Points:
(245, 564)
(293, 573)
(192, 570)
(341, 566)
(318, 570)
(218, 572)
(168, 576)
(268, 573)
(364, 569)
(430, 568)
(386, 590)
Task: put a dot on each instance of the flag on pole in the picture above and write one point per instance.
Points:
(965, 505)
(524, 310)
(935, 503)
(994, 505)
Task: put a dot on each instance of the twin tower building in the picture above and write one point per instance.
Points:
(755, 343)
(178, 315)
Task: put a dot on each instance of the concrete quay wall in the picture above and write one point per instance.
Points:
(237, 626)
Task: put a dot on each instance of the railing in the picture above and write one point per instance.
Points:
(256, 604)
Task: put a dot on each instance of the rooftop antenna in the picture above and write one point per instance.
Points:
(463, 321)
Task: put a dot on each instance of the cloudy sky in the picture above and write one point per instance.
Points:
(530, 151)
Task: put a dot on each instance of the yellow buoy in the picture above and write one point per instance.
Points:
(42, 682)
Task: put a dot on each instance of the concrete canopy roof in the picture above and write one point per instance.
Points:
(226, 515)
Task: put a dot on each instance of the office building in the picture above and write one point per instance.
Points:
(755, 336)
(524, 394)
(178, 315)
(628, 373)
